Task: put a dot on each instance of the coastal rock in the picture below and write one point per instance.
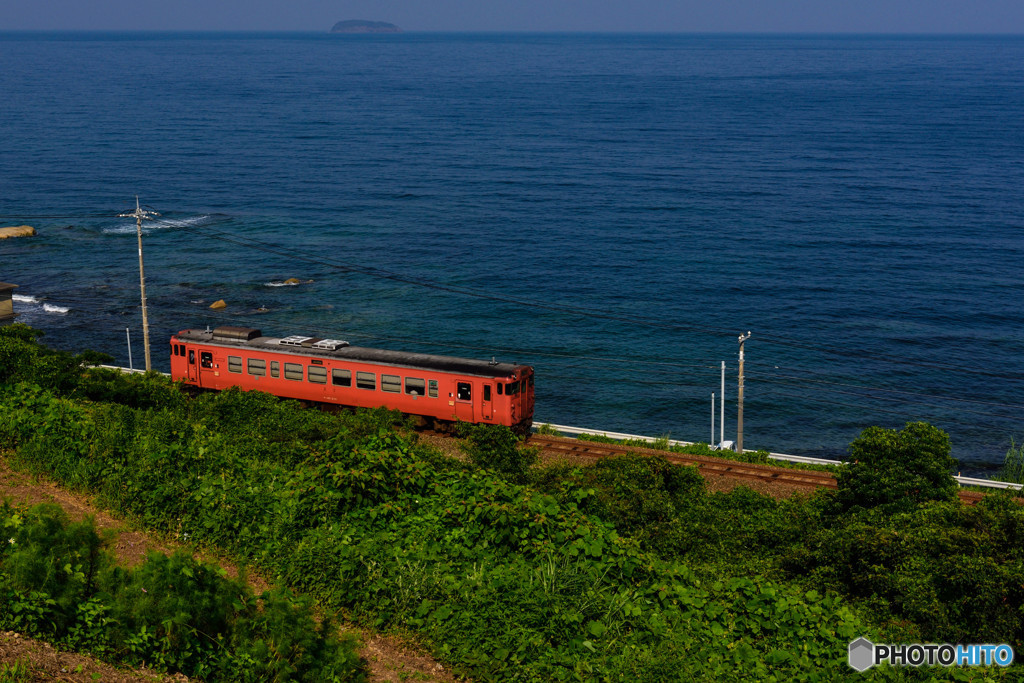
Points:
(218, 304)
(358, 26)
(17, 231)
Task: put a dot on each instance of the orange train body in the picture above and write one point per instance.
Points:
(440, 389)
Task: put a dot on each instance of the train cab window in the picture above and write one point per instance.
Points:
(235, 364)
(531, 381)
(464, 391)
(275, 369)
(341, 378)
(487, 392)
(257, 367)
(293, 371)
(415, 387)
(317, 374)
(192, 357)
(391, 384)
(366, 380)
(432, 388)
(174, 350)
(205, 359)
(500, 387)
(512, 388)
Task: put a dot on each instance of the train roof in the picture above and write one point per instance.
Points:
(253, 339)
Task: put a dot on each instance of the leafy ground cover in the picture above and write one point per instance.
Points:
(629, 570)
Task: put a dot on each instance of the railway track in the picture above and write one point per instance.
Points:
(707, 466)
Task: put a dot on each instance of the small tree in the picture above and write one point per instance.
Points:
(897, 470)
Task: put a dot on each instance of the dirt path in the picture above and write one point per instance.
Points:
(389, 659)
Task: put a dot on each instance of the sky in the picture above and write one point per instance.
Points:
(671, 16)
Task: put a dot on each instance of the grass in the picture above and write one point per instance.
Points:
(1013, 464)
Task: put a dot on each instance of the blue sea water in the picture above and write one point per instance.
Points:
(613, 209)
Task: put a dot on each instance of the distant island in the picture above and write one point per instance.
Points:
(357, 26)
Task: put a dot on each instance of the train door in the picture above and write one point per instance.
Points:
(193, 370)
(486, 412)
(464, 401)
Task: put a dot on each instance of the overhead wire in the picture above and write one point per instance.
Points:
(295, 254)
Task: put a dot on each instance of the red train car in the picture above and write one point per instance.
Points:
(440, 389)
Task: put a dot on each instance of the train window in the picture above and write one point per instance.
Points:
(192, 357)
(432, 388)
(174, 350)
(258, 367)
(487, 392)
(415, 387)
(531, 381)
(341, 378)
(391, 383)
(293, 371)
(205, 359)
(275, 369)
(512, 388)
(316, 374)
(366, 380)
(500, 387)
(464, 391)
(235, 364)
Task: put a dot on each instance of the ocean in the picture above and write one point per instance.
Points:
(612, 209)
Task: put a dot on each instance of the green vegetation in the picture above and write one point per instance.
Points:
(699, 448)
(897, 470)
(627, 570)
(1013, 465)
(171, 613)
(15, 672)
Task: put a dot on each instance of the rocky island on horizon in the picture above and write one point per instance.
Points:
(359, 26)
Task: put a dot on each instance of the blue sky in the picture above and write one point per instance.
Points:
(829, 16)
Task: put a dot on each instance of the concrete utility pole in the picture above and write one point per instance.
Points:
(139, 215)
(739, 409)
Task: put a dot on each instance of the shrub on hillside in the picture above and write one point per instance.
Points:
(498, 448)
(897, 470)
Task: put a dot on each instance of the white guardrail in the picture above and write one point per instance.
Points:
(575, 431)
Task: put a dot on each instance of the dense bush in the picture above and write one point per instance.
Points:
(955, 572)
(171, 613)
(23, 359)
(897, 470)
(498, 448)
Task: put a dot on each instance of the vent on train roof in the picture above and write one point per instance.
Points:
(330, 344)
(236, 333)
(294, 340)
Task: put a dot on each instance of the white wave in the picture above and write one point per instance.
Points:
(50, 308)
(129, 227)
(281, 284)
(25, 298)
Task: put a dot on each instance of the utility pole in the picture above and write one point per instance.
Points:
(739, 409)
(721, 417)
(139, 215)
